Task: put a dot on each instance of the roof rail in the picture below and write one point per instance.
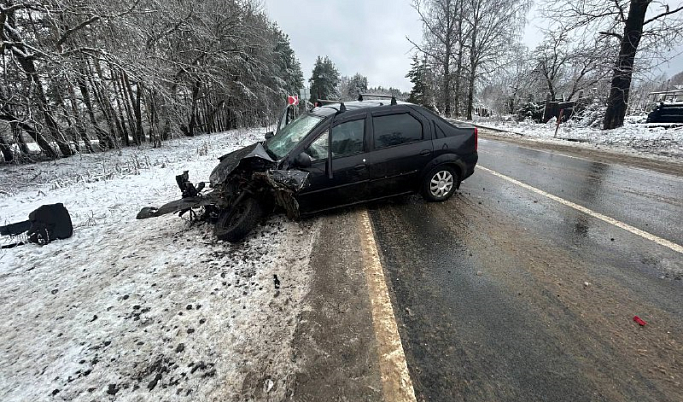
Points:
(322, 102)
(393, 98)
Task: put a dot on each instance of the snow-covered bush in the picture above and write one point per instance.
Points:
(588, 115)
(530, 110)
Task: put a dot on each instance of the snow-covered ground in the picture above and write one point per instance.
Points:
(147, 310)
(632, 138)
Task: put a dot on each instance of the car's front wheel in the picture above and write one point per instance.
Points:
(235, 224)
(440, 183)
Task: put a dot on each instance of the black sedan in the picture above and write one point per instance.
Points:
(334, 155)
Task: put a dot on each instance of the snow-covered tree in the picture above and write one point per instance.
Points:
(324, 79)
(123, 72)
(354, 86)
(418, 77)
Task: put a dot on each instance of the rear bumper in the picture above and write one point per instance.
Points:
(470, 161)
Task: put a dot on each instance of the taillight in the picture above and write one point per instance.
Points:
(476, 139)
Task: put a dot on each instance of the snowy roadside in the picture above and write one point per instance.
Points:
(132, 310)
(631, 139)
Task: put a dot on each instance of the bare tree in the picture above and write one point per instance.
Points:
(569, 64)
(443, 36)
(493, 24)
(630, 22)
(514, 84)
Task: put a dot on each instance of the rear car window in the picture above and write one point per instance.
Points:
(396, 129)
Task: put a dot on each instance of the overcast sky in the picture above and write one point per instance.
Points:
(368, 36)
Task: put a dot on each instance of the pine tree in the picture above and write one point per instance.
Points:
(324, 79)
(288, 67)
(417, 77)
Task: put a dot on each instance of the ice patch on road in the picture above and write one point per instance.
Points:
(150, 309)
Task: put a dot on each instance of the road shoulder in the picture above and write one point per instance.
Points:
(335, 345)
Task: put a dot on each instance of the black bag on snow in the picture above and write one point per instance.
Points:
(45, 224)
(49, 222)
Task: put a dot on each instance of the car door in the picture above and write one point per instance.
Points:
(338, 173)
(401, 146)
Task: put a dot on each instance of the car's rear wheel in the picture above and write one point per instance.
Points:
(235, 224)
(440, 183)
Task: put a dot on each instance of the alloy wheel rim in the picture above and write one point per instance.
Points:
(441, 183)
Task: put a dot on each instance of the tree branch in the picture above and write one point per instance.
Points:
(663, 14)
(621, 10)
(69, 31)
(616, 35)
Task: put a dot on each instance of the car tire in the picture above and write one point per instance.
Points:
(235, 224)
(440, 183)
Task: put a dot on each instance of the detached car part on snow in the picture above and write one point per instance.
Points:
(335, 155)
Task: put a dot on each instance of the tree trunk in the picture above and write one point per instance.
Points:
(447, 84)
(16, 134)
(30, 130)
(6, 150)
(138, 112)
(458, 74)
(551, 88)
(473, 71)
(26, 61)
(103, 137)
(473, 62)
(105, 105)
(120, 120)
(131, 110)
(71, 124)
(623, 68)
(153, 118)
(458, 68)
(29, 68)
(80, 127)
(193, 109)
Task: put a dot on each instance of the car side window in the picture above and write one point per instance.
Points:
(395, 129)
(318, 148)
(347, 138)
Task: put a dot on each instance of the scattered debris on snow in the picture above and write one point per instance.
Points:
(132, 310)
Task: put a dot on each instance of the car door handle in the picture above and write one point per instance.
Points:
(360, 166)
(425, 152)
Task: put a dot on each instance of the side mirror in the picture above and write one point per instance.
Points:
(302, 160)
(269, 135)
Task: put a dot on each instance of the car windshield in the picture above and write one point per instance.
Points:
(287, 138)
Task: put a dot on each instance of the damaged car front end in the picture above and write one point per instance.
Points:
(245, 186)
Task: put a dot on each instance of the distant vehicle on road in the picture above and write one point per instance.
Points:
(668, 109)
(335, 155)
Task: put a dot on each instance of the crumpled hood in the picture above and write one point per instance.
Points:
(229, 162)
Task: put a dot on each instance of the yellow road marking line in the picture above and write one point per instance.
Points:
(649, 236)
(396, 383)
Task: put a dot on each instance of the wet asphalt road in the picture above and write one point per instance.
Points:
(502, 294)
